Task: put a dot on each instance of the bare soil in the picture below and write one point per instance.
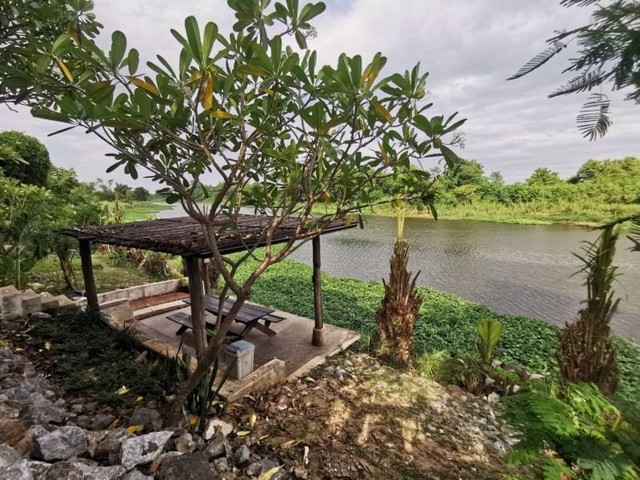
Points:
(356, 419)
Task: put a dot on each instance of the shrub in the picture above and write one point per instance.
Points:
(576, 431)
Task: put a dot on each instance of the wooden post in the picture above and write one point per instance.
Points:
(197, 304)
(318, 331)
(87, 274)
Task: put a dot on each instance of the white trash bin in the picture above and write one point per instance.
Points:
(242, 352)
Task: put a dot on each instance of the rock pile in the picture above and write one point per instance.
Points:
(42, 437)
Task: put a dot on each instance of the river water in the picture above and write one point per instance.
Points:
(515, 269)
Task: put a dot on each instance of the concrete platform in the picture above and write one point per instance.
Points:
(287, 355)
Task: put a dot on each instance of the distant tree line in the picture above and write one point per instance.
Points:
(608, 181)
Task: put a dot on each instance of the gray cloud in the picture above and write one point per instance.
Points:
(469, 48)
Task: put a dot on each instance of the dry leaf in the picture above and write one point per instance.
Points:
(47, 345)
(122, 390)
(252, 420)
(114, 424)
(243, 433)
(269, 473)
(290, 443)
(135, 428)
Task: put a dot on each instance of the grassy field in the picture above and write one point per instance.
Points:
(142, 210)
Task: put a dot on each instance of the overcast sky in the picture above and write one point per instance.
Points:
(468, 46)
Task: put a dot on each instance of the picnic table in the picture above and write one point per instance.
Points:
(251, 316)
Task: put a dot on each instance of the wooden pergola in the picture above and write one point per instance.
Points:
(184, 236)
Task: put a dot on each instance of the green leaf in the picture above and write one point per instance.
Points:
(210, 34)
(133, 60)
(48, 114)
(251, 70)
(193, 37)
(59, 43)
(311, 10)
(118, 48)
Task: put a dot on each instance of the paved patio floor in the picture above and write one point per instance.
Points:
(290, 347)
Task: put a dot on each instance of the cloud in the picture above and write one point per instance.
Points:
(469, 47)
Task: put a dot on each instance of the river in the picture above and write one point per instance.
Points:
(515, 269)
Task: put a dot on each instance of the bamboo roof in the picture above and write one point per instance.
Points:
(184, 235)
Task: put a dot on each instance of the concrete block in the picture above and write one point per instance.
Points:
(158, 309)
(31, 302)
(10, 303)
(118, 311)
(268, 375)
(64, 301)
(49, 302)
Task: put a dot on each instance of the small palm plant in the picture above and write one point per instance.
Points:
(398, 312)
(585, 353)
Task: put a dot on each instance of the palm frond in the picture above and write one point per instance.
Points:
(539, 60)
(579, 3)
(593, 120)
(580, 83)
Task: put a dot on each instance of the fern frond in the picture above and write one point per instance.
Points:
(581, 83)
(539, 60)
(593, 120)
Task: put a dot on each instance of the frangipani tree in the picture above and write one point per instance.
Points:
(249, 109)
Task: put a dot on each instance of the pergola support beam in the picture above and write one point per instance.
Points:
(318, 331)
(87, 274)
(197, 303)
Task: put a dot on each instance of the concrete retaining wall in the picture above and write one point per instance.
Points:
(139, 291)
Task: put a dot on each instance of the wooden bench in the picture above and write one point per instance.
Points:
(250, 316)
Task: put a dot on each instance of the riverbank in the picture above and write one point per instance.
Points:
(533, 213)
(446, 322)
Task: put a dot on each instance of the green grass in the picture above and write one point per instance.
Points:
(108, 277)
(446, 321)
(91, 359)
(533, 213)
(135, 211)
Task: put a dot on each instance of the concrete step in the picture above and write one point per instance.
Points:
(158, 309)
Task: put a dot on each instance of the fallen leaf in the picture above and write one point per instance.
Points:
(269, 473)
(47, 345)
(243, 433)
(290, 443)
(122, 390)
(252, 420)
(135, 428)
(114, 424)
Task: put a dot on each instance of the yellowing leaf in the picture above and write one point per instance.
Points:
(135, 428)
(207, 94)
(251, 70)
(149, 87)
(114, 424)
(193, 419)
(243, 433)
(290, 443)
(269, 473)
(47, 345)
(222, 114)
(327, 197)
(139, 399)
(64, 69)
(122, 390)
(383, 112)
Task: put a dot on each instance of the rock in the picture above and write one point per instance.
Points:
(194, 466)
(216, 425)
(16, 471)
(77, 408)
(242, 456)
(7, 410)
(43, 411)
(8, 455)
(136, 475)
(143, 449)
(185, 443)
(493, 398)
(536, 376)
(221, 465)
(258, 468)
(14, 432)
(300, 472)
(101, 421)
(149, 418)
(82, 471)
(218, 446)
(62, 443)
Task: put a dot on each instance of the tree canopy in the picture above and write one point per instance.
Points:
(24, 158)
(251, 108)
(608, 53)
